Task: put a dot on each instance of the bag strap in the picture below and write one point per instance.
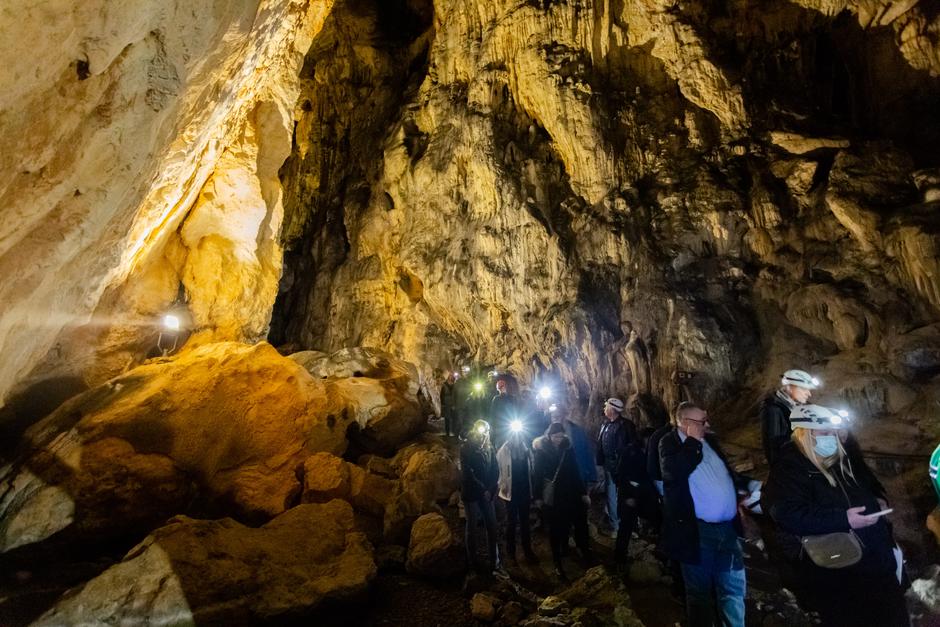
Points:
(560, 462)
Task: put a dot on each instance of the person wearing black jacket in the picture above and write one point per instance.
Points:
(449, 405)
(504, 408)
(555, 464)
(796, 388)
(817, 486)
(479, 478)
(700, 521)
(620, 454)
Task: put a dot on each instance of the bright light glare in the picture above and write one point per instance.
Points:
(466, 369)
(553, 407)
(816, 381)
(171, 322)
(836, 420)
(478, 386)
(843, 413)
(456, 374)
(516, 426)
(481, 429)
(545, 393)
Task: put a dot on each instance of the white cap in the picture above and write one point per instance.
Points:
(616, 403)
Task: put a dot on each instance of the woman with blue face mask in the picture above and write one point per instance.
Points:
(816, 487)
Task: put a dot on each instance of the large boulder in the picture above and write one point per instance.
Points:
(433, 550)
(228, 423)
(381, 392)
(220, 572)
(427, 475)
(327, 477)
(427, 469)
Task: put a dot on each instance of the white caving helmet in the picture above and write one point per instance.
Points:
(800, 378)
(818, 417)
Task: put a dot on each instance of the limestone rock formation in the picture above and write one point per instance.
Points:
(226, 424)
(141, 143)
(433, 550)
(380, 391)
(223, 573)
(328, 477)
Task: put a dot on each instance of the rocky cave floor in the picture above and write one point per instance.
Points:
(31, 583)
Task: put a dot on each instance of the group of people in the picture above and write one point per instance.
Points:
(831, 537)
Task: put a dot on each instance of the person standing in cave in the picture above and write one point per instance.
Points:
(449, 404)
(504, 408)
(515, 488)
(621, 455)
(700, 519)
(559, 489)
(612, 440)
(580, 443)
(479, 473)
(818, 491)
(796, 388)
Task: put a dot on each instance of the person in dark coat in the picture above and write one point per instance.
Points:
(796, 388)
(816, 487)
(555, 464)
(504, 408)
(620, 454)
(479, 478)
(653, 469)
(449, 405)
(700, 519)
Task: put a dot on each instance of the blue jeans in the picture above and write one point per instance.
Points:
(718, 575)
(610, 489)
(475, 510)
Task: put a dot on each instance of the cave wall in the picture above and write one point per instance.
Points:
(140, 144)
(522, 184)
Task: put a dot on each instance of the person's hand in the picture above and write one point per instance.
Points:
(695, 430)
(586, 499)
(858, 520)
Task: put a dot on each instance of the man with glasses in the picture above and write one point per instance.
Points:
(700, 507)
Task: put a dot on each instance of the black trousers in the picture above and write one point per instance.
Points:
(560, 522)
(517, 511)
(627, 509)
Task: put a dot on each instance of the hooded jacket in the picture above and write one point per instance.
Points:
(508, 477)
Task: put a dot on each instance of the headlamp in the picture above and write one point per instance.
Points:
(545, 393)
(171, 322)
(816, 382)
(515, 426)
(836, 420)
(478, 386)
(481, 430)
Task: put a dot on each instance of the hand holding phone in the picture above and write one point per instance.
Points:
(883, 512)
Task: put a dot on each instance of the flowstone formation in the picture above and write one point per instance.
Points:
(525, 184)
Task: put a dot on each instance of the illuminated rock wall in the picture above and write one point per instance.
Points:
(139, 147)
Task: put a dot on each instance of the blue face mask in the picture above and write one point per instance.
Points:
(826, 445)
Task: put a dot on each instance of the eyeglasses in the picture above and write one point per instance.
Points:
(701, 422)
